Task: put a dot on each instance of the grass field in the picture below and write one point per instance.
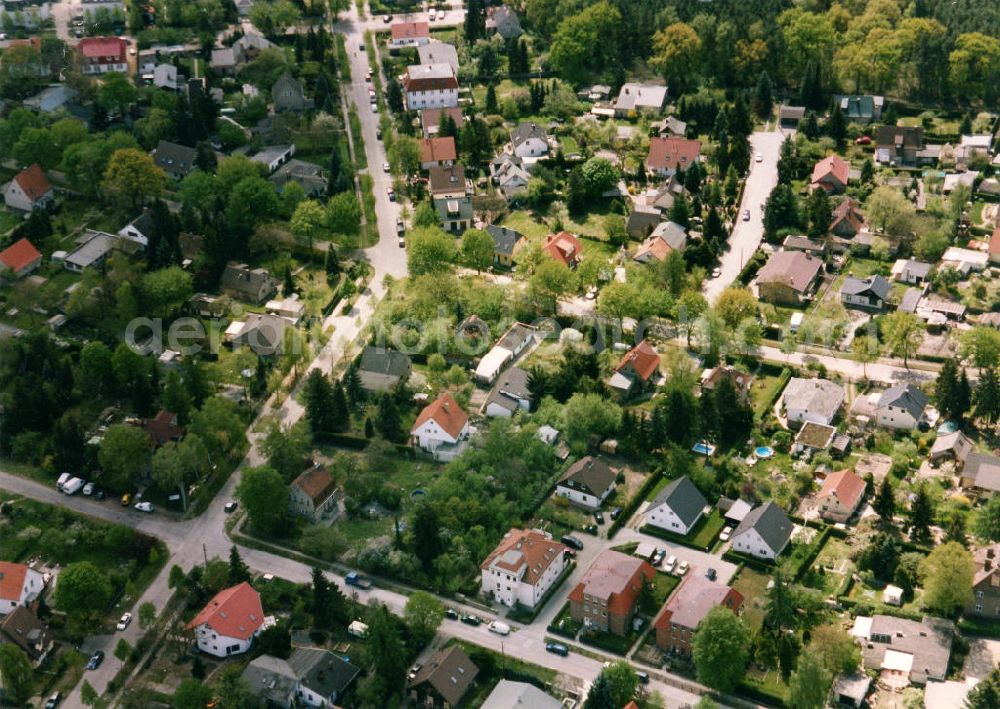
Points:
(753, 586)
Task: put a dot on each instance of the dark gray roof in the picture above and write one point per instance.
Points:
(906, 396)
(877, 285)
(510, 387)
(446, 179)
(451, 208)
(908, 303)
(271, 679)
(984, 468)
(174, 157)
(321, 671)
(770, 522)
(383, 361)
(589, 475)
(525, 131)
(450, 672)
(928, 641)
(516, 336)
(504, 238)
(143, 223)
(683, 499)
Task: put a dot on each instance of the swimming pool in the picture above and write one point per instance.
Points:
(703, 448)
(763, 451)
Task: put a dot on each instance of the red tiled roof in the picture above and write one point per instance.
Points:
(847, 210)
(103, 47)
(845, 486)
(431, 117)
(831, 165)
(411, 30)
(235, 612)
(643, 358)
(671, 153)
(525, 547)
(615, 578)
(317, 483)
(563, 247)
(437, 149)
(995, 241)
(19, 255)
(12, 580)
(446, 412)
(33, 182)
(162, 428)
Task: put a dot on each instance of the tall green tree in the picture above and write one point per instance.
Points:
(15, 673)
(885, 501)
(810, 684)
(264, 495)
(987, 395)
(423, 615)
(238, 569)
(948, 572)
(426, 533)
(921, 515)
(721, 649)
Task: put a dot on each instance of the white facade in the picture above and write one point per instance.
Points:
(132, 234)
(665, 518)
(32, 586)
(750, 542)
(221, 645)
(437, 98)
(896, 417)
(507, 587)
(15, 198)
(532, 148)
(430, 436)
(583, 499)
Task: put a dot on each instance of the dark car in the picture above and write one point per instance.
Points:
(451, 614)
(53, 701)
(590, 529)
(571, 541)
(616, 512)
(569, 553)
(95, 660)
(710, 574)
(642, 677)
(471, 620)
(231, 507)
(99, 495)
(599, 517)
(557, 649)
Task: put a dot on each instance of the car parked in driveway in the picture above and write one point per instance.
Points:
(657, 557)
(95, 660)
(682, 568)
(599, 517)
(725, 534)
(710, 574)
(230, 507)
(671, 563)
(53, 701)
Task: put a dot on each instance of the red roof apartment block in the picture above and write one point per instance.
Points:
(831, 173)
(100, 54)
(234, 612)
(21, 257)
(680, 616)
(667, 155)
(446, 413)
(607, 596)
(564, 248)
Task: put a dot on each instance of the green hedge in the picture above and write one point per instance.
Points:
(714, 519)
(988, 627)
(633, 504)
(608, 641)
(752, 562)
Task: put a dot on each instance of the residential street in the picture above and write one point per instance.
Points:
(746, 236)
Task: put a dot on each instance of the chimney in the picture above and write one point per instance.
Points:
(990, 552)
(987, 565)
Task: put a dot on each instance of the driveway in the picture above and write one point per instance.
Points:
(700, 561)
(746, 236)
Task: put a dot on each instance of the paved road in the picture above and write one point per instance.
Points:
(888, 371)
(746, 236)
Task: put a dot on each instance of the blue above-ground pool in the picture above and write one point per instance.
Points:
(418, 493)
(703, 448)
(763, 451)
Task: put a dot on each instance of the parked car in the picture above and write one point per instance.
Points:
(432, 15)
(374, 106)
(63, 479)
(378, 134)
(88, 489)
(725, 533)
(402, 241)
(126, 499)
(385, 167)
(569, 553)
(73, 486)
(414, 670)
(400, 227)
(590, 529)
(616, 512)
(451, 614)
(144, 506)
(682, 568)
(571, 541)
(361, 46)
(230, 507)
(53, 701)
(499, 627)
(470, 619)
(392, 194)
(671, 563)
(355, 579)
(557, 649)
(716, 272)
(657, 557)
(599, 517)
(124, 621)
(643, 677)
(758, 158)
(99, 495)
(710, 574)
(387, 19)
(746, 215)
(95, 660)
(863, 140)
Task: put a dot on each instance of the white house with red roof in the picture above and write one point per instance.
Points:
(840, 496)
(636, 371)
(831, 174)
(20, 258)
(100, 55)
(19, 586)
(409, 34)
(229, 622)
(668, 155)
(564, 248)
(30, 189)
(442, 428)
(523, 567)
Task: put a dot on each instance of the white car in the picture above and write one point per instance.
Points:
(716, 272)
(725, 534)
(682, 568)
(758, 158)
(432, 15)
(671, 562)
(88, 489)
(746, 215)
(144, 506)
(125, 619)
(385, 167)
(374, 107)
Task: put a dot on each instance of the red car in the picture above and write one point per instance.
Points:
(863, 140)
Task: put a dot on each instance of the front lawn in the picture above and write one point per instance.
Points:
(609, 642)
(663, 586)
(752, 585)
(564, 625)
(702, 537)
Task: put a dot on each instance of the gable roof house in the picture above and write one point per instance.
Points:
(764, 532)
(430, 119)
(899, 145)
(30, 189)
(251, 44)
(409, 34)
(93, 249)
(523, 567)
(902, 406)
(139, 229)
(163, 428)
(519, 695)
(635, 372)
(444, 680)
(437, 152)
(174, 159)
(382, 369)
(273, 156)
(271, 680)
(23, 628)
(677, 507)
(830, 174)
(666, 237)
(447, 181)
(668, 155)
(51, 98)
(587, 482)
(442, 428)
(506, 242)
(955, 446)
(866, 293)
(840, 495)
(564, 248)
(512, 343)
(681, 615)
(509, 395)
(986, 583)
(322, 676)
(816, 400)
(797, 242)
(224, 61)
(435, 52)
(740, 381)
(789, 116)
(635, 99)
(641, 220)
(905, 651)
(314, 495)
(20, 259)
(503, 21)
(309, 176)
(20, 585)
(980, 471)
(529, 141)
(860, 109)
(230, 621)
(510, 175)
(454, 213)
(915, 273)
(263, 334)
(254, 285)
(100, 55)
(607, 596)
(287, 94)
(430, 86)
(788, 277)
(847, 220)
